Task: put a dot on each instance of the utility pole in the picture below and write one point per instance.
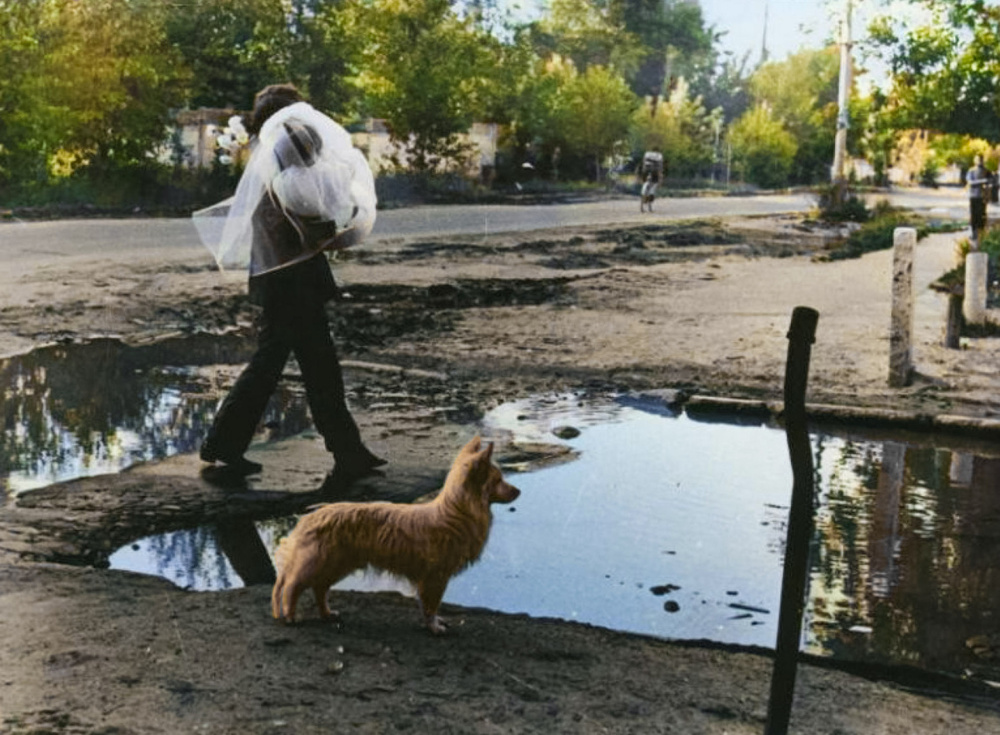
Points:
(763, 43)
(843, 98)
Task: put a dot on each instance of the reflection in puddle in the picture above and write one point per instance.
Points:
(675, 528)
(88, 409)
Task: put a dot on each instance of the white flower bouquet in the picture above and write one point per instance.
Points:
(232, 140)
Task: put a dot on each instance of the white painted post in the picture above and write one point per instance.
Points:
(976, 267)
(901, 329)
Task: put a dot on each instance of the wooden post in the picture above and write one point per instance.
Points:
(976, 269)
(953, 324)
(800, 521)
(901, 329)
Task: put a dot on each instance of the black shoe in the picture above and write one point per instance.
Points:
(237, 465)
(364, 464)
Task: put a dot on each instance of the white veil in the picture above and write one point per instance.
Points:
(330, 184)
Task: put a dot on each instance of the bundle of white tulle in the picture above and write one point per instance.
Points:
(336, 188)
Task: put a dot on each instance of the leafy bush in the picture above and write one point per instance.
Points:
(877, 233)
(990, 243)
(762, 149)
(149, 188)
(834, 207)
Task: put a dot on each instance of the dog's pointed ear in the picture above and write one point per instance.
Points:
(473, 446)
(482, 459)
(484, 454)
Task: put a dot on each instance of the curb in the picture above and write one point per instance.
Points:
(877, 418)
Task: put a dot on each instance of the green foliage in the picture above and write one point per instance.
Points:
(90, 87)
(567, 118)
(726, 87)
(672, 39)
(990, 243)
(877, 233)
(763, 151)
(427, 72)
(801, 93)
(325, 52)
(878, 135)
(534, 118)
(94, 86)
(836, 204)
(123, 189)
(944, 72)
(232, 48)
(594, 109)
(21, 57)
(589, 34)
(681, 128)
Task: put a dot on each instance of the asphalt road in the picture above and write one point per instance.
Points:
(24, 242)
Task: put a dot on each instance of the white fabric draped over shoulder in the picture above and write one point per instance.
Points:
(336, 187)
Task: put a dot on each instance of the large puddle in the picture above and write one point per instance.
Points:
(665, 525)
(89, 409)
(673, 527)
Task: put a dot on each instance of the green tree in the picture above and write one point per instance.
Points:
(727, 87)
(232, 48)
(681, 128)
(943, 75)
(673, 39)
(325, 55)
(22, 124)
(588, 33)
(763, 150)
(877, 133)
(801, 93)
(428, 73)
(94, 89)
(594, 110)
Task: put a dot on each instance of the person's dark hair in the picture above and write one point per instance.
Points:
(268, 101)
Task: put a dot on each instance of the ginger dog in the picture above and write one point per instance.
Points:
(425, 543)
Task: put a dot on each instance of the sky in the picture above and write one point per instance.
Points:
(796, 24)
(791, 24)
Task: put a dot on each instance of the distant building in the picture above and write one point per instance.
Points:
(192, 142)
(383, 154)
(860, 170)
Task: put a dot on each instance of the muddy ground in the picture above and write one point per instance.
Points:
(433, 334)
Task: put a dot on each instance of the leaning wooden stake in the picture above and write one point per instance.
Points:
(800, 521)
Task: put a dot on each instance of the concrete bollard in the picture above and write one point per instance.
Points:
(904, 241)
(976, 269)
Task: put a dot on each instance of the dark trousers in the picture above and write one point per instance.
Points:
(304, 331)
(977, 215)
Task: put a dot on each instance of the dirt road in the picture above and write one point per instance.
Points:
(464, 322)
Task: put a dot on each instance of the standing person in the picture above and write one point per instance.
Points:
(978, 181)
(305, 190)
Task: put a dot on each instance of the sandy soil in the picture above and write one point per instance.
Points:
(456, 325)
